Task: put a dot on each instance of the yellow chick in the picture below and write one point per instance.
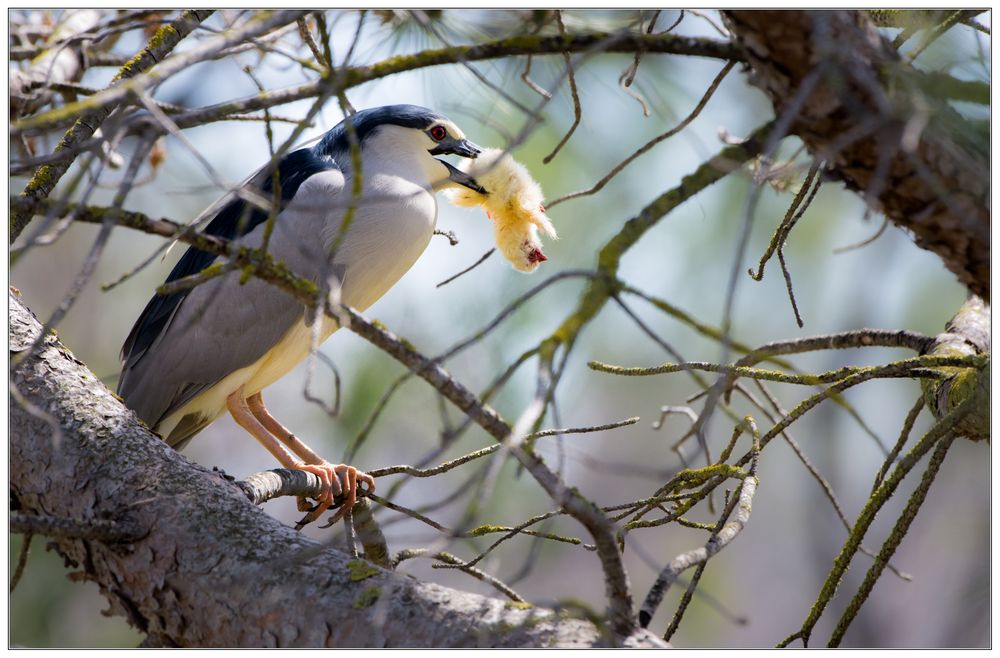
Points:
(513, 202)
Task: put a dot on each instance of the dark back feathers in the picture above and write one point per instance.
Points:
(234, 220)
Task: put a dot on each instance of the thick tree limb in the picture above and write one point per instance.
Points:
(107, 530)
(583, 510)
(857, 105)
(186, 582)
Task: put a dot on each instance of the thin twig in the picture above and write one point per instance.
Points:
(534, 86)
(788, 286)
(653, 142)
(482, 259)
(577, 110)
(790, 219)
(488, 450)
(116, 93)
(307, 38)
(936, 34)
(331, 411)
(689, 592)
(22, 561)
(904, 436)
(630, 78)
(449, 559)
(896, 536)
(866, 241)
(811, 468)
(358, 75)
(942, 429)
(44, 180)
(912, 367)
(724, 533)
(705, 17)
(856, 338)
(100, 242)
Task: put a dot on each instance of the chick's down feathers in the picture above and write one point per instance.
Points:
(513, 202)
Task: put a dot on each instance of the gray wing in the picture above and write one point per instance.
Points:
(223, 325)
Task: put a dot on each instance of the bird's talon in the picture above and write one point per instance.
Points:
(338, 480)
(333, 519)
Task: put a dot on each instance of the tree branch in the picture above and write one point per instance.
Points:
(967, 334)
(580, 508)
(45, 178)
(867, 107)
(185, 582)
(58, 61)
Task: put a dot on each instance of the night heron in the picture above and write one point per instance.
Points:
(196, 353)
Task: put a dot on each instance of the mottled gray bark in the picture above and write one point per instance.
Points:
(848, 95)
(210, 569)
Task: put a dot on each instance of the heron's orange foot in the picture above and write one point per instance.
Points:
(349, 477)
(337, 479)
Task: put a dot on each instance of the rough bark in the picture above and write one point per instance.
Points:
(210, 568)
(850, 98)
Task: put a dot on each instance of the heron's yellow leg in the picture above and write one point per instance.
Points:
(344, 478)
(256, 405)
(245, 418)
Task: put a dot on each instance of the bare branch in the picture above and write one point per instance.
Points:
(896, 535)
(60, 60)
(967, 333)
(939, 190)
(653, 142)
(937, 434)
(449, 559)
(722, 535)
(577, 111)
(347, 77)
(45, 178)
(482, 259)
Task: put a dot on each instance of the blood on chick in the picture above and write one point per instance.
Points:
(513, 202)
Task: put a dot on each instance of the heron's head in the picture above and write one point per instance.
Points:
(408, 135)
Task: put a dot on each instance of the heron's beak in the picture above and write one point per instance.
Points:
(462, 147)
(466, 149)
(460, 177)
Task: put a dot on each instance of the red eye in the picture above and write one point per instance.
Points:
(438, 133)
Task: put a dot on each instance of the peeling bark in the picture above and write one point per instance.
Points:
(211, 569)
(852, 100)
